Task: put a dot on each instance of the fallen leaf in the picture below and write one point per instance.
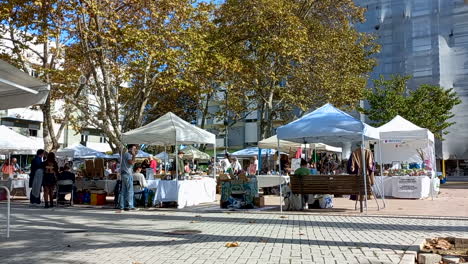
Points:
(301, 234)
(198, 216)
(193, 222)
(283, 216)
(136, 262)
(263, 240)
(232, 244)
(252, 222)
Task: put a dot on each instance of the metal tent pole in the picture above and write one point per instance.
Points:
(177, 162)
(432, 172)
(280, 178)
(364, 170)
(214, 162)
(381, 174)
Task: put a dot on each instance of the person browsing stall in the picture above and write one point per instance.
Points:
(36, 164)
(49, 179)
(181, 165)
(126, 174)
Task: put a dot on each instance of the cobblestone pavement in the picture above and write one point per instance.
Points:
(81, 235)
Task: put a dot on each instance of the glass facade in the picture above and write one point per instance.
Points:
(429, 40)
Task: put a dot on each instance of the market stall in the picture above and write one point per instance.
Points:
(171, 130)
(330, 125)
(407, 151)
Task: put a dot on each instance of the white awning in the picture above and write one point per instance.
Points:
(286, 146)
(18, 89)
(169, 129)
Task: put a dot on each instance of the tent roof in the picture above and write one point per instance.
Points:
(401, 129)
(18, 89)
(327, 124)
(13, 142)
(191, 152)
(272, 142)
(169, 129)
(162, 156)
(140, 154)
(252, 151)
(79, 151)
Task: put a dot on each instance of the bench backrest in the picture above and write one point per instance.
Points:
(328, 184)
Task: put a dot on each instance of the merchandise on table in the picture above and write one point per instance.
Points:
(407, 172)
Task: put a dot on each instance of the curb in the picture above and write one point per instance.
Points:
(411, 254)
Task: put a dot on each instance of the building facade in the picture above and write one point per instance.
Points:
(427, 39)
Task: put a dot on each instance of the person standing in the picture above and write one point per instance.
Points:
(153, 164)
(49, 180)
(181, 165)
(126, 174)
(35, 164)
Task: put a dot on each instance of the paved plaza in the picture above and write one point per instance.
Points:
(83, 235)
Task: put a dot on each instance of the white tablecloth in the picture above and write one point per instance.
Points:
(387, 182)
(152, 184)
(99, 184)
(185, 193)
(271, 180)
(415, 187)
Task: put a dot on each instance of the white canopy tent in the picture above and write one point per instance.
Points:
(12, 142)
(330, 125)
(169, 130)
(18, 89)
(272, 142)
(79, 151)
(193, 153)
(400, 140)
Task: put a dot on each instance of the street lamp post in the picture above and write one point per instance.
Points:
(226, 120)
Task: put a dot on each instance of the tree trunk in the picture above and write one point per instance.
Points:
(204, 115)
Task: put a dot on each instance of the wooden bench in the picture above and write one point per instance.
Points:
(330, 184)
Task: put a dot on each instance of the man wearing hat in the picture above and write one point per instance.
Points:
(181, 165)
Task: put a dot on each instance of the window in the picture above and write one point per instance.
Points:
(84, 138)
(102, 140)
(32, 133)
(421, 27)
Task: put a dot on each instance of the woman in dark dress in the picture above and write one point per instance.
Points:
(49, 180)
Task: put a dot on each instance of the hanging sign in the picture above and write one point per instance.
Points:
(392, 141)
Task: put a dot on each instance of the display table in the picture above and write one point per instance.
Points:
(387, 185)
(185, 193)
(271, 180)
(107, 185)
(21, 182)
(415, 187)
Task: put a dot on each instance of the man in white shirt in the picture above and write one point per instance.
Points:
(236, 166)
(142, 187)
(225, 163)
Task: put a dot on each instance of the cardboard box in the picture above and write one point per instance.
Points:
(259, 201)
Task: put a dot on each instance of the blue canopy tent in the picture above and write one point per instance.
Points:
(140, 154)
(253, 151)
(329, 125)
